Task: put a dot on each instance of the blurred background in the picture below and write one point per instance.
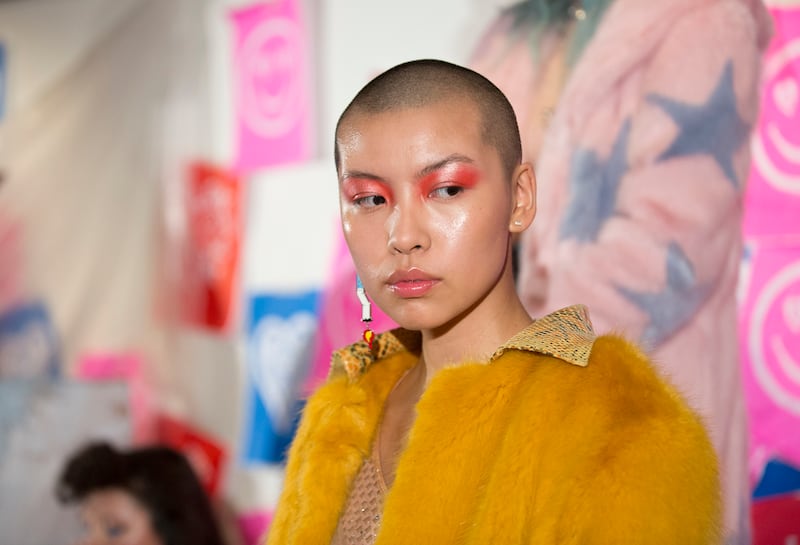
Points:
(169, 234)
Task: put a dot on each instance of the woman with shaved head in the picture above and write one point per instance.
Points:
(474, 423)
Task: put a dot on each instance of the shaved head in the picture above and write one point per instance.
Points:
(424, 82)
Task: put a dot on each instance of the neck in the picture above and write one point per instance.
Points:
(476, 335)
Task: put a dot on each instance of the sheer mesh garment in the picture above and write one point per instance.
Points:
(361, 518)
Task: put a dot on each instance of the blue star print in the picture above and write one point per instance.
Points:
(712, 128)
(593, 187)
(669, 309)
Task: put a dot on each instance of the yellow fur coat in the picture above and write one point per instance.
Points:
(531, 448)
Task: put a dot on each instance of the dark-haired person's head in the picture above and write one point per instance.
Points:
(423, 82)
(146, 496)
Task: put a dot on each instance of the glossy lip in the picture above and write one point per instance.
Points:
(411, 283)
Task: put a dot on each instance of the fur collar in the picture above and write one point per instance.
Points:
(566, 334)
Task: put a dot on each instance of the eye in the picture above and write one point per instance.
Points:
(369, 201)
(446, 192)
(114, 531)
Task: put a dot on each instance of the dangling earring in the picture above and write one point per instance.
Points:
(366, 312)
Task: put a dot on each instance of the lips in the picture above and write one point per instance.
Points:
(411, 283)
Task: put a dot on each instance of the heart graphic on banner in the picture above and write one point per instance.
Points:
(772, 342)
(791, 313)
(270, 83)
(279, 357)
(785, 95)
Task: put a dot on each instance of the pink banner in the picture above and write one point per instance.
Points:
(773, 196)
(254, 525)
(770, 317)
(272, 77)
(770, 337)
(129, 368)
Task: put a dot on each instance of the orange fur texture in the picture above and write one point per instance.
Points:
(525, 450)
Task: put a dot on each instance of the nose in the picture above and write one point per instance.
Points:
(407, 230)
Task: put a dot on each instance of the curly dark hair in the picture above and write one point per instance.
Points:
(160, 478)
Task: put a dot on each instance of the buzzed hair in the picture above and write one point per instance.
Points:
(423, 82)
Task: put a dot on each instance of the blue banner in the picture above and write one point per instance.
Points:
(281, 331)
(780, 477)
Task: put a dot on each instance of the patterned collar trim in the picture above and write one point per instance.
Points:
(566, 334)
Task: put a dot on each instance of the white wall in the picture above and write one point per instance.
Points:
(362, 38)
(44, 38)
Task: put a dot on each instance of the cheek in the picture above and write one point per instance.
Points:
(347, 226)
(455, 228)
(471, 229)
(356, 226)
(346, 210)
(365, 245)
(356, 231)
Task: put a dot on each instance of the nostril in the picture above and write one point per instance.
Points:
(406, 249)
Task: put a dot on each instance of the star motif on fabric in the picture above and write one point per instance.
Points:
(714, 127)
(670, 308)
(593, 189)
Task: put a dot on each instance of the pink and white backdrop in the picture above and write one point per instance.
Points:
(770, 304)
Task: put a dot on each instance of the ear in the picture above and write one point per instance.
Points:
(523, 192)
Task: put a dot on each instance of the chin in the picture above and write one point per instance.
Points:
(410, 323)
(416, 319)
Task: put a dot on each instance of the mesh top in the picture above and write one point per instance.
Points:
(361, 517)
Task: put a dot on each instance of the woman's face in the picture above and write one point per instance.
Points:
(115, 517)
(426, 209)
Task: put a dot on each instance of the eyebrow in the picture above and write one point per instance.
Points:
(346, 175)
(433, 167)
(454, 158)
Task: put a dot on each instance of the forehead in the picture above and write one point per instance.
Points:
(445, 127)
(456, 107)
(113, 501)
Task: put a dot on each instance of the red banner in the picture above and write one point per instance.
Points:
(206, 455)
(212, 246)
(776, 520)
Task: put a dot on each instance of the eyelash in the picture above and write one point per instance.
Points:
(362, 201)
(446, 189)
(442, 192)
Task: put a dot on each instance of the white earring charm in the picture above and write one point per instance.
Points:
(366, 311)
